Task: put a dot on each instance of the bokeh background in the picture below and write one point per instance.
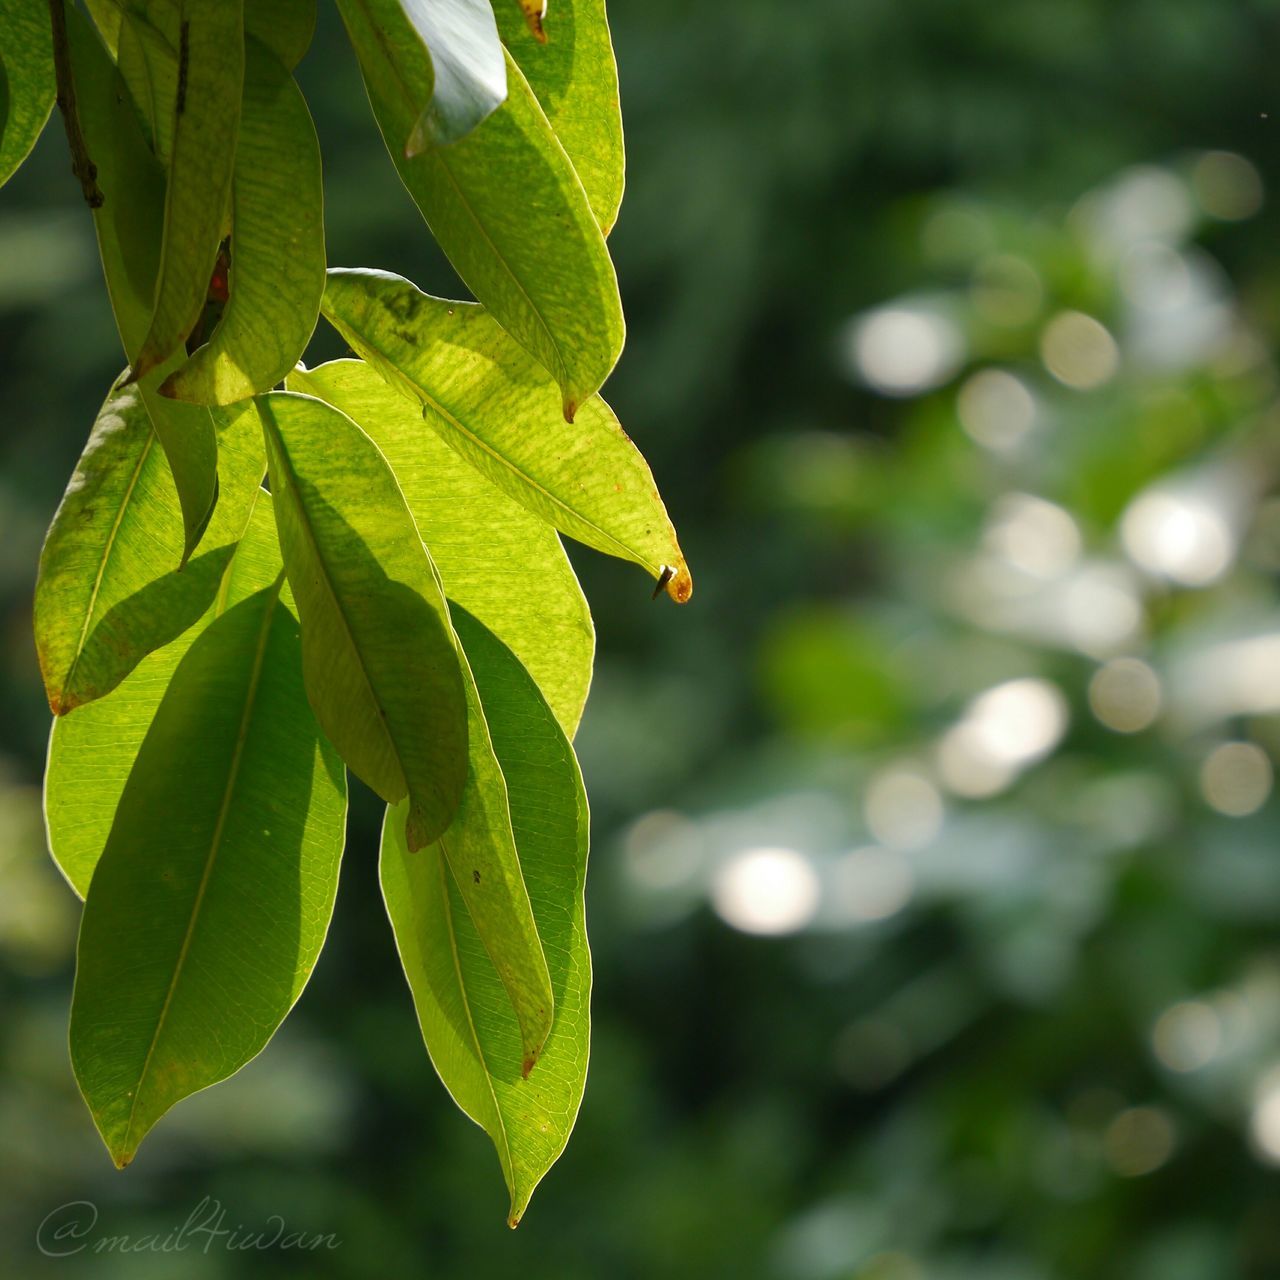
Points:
(935, 889)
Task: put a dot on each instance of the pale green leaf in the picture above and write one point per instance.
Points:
(104, 598)
(91, 752)
(507, 208)
(208, 908)
(572, 71)
(206, 112)
(499, 410)
(277, 245)
(499, 561)
(379, 652)
(469, 74)
(470, 1031)
(26, 79)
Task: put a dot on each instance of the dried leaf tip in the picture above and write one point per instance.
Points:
(535, 12)
(677, 581)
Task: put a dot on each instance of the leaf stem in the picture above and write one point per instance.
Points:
(84, 168)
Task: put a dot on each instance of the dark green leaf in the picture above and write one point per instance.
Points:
(211, 901)
(129, 226)
(26, 79)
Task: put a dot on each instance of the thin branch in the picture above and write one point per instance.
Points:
(84, 168)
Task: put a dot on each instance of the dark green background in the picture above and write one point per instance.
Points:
(971, 1088)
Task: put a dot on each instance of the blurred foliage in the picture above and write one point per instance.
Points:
(951, 333)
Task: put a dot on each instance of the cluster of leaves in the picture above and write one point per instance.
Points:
(248, 590)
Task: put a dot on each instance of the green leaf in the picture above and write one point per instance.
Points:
(483, 860)
(26, 79)
(497, 560)
(92, 752)
(129, 226)
(469, 1029)
(206, 115)
(507, 208)
(492, 404)
(102, 599)
(277, 245)
(379, 653)
(107, 17)
(147, 55)
(285, 26)
(571, 69)
(469, 73)
(210, 904)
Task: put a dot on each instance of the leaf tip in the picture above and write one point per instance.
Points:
(680, 588)
(570, 409)
(677, 581)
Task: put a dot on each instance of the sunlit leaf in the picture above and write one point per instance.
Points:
(105, 596)
(91, 752)
(208, 908)
(572, 71)
(26, 79)
(496, 559)
(470, 1031)
(500, 411)
(379, 652)
(538, 261)
(277, 245)
(206, 112)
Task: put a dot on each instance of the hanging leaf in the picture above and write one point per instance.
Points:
(496, 408)
(210, 904)
(497, 560)
(277, 245)
(539, 262)
(571, 69)
(206, 115)
(470, 1032)
(92, 752)
(103, 602)
(129, 225)
(379, 652)
(482, 860)
(26, 79)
